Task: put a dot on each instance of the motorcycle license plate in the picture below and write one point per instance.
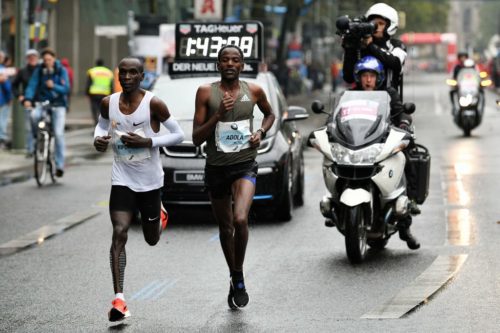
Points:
(190, 177)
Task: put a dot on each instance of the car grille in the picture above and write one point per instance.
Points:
(358, 172)
(186, 149)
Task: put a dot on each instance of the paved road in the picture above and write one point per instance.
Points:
(297, 273)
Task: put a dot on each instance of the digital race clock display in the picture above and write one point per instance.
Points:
(202, 41)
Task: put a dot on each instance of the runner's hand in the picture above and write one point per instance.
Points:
(134, 140)
(101, 143)
(227, 103)
(255, 139)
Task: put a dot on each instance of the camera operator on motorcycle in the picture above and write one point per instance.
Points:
(368, 74)
(391, 52)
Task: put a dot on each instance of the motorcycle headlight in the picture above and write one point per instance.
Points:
(365, 156)
(465, 100)
(41, 125)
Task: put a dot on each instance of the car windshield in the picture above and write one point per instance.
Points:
(180, 94)
(361, 117)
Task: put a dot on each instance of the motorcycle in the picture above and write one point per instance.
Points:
(364, 170)
(468, 101)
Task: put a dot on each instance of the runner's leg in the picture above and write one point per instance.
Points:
(121, 222)
(150, 205)
(223, 212)
(243, 191)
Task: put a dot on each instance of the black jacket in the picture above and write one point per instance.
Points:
(21, 80)
(383, 50)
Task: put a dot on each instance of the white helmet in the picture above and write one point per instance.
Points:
(388, 13)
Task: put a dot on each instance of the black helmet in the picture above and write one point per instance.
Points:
(462, 54)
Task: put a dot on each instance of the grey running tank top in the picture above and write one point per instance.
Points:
(243, 110)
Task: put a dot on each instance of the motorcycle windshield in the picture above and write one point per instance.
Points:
(468, 81)
(360, 117)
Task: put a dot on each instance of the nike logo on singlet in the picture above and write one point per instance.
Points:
(138, 123)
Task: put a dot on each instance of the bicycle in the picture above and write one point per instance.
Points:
(44, 157)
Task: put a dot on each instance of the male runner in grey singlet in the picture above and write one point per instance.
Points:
(223, 118)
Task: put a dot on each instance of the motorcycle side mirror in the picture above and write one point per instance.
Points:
(318, 107)
(409, 108)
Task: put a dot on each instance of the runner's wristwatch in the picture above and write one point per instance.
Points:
(262, 132)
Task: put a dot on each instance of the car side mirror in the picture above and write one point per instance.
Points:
(295, 113)
(409, 108)
(318, 107)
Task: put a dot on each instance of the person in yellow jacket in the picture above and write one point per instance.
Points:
(99, 85)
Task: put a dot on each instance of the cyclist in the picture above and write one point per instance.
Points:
(50, 82)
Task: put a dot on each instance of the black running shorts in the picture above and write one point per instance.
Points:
(218, 179)
(124, 199)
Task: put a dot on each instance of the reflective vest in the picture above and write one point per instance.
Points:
(101, 80)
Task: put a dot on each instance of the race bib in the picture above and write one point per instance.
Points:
(123, 153)
(231, 137)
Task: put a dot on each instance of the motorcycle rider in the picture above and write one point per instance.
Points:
(390, 51)
(369, 75)
(462, 56)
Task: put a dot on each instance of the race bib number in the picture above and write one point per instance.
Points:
(231, 137)
(123, 153)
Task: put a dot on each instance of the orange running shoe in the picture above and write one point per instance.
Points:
(119, 311)
(163, 217)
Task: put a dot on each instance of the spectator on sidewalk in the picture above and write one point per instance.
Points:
(99, 85)
(5, 98)
(19, 85)
(69, 69)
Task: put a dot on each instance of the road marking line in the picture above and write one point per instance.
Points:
(437, 104)
(214, 238)
(40, 235)
(165, 288)
(145, 289)
(440, 272)
(153, 290)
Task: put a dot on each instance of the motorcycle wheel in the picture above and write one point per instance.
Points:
(355, 234)
(377, 244)
(298, 197)
(284, 210)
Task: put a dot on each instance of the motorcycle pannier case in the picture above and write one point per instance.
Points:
(420, 166)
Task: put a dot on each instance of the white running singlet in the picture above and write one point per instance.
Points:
(139, 169)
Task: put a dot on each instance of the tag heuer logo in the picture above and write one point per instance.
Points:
(252, 27)
(185, 28)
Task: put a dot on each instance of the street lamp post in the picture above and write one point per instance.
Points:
(18, 120)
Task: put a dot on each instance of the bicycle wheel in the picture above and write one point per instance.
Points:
(51, 162)
(41, 155)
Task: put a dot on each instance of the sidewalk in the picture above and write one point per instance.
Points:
(79, 128)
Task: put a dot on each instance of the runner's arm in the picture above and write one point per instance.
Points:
(203, 127)
(101, 132)
(161, 113)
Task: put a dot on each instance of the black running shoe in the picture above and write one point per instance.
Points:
(230, 300)
(240, 296)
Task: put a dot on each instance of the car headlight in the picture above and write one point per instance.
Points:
(265, 145)
(365, 156)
